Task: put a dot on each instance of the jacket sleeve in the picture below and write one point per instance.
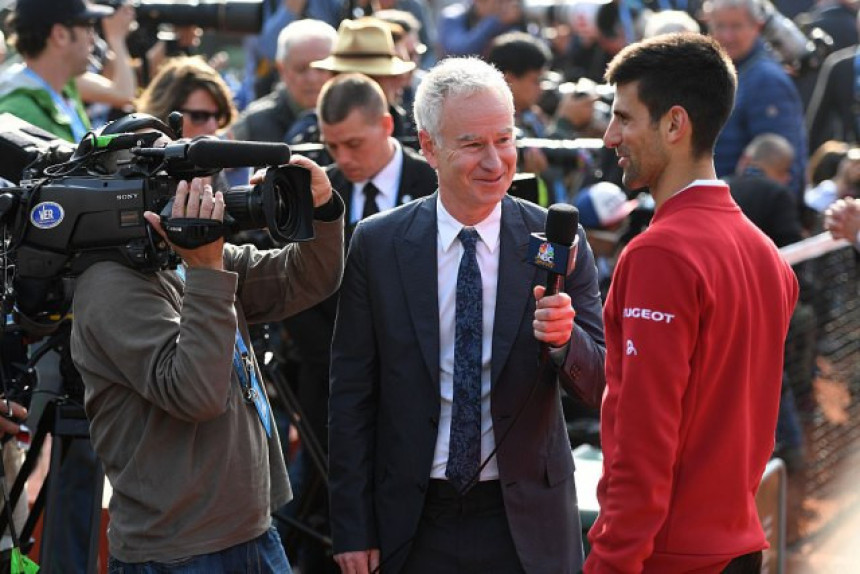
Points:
(456, 39)
(352, 408)
(654, 377)
(275, 284)
(582, 369)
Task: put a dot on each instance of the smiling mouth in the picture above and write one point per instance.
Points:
(490, 180)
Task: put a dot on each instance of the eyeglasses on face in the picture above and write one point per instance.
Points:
(200, 117)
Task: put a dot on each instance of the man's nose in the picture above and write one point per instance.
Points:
(491, 159)
(612, 136)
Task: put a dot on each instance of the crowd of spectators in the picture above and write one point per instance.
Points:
(789, 148)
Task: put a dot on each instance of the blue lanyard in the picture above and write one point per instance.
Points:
(67, 109)
(243, 364)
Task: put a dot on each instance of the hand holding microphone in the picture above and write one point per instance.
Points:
(554, 251)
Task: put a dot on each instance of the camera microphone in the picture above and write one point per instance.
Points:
(219, 153)
(209, 153)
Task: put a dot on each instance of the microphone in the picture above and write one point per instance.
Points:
(220, 153)
(210, 153)
(555, 250)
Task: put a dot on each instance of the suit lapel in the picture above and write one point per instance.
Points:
(416, 260)
(516, 278)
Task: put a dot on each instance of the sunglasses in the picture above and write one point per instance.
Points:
(200, 117)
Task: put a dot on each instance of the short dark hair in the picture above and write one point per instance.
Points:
(29, 41)
(687, 70)
(518, 53)
(347, 92)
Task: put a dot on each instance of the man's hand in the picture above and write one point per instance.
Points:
(361, 562)
(195, 201)
(117, 26)
(12, 413)
(842, 219)
(320, 185)
(554, 315)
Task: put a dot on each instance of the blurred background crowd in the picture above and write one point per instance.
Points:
(254, 70)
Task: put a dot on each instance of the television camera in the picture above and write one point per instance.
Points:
(76, 206)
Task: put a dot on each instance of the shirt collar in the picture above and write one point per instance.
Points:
(702, 183)
(387, 180)
(488, 229)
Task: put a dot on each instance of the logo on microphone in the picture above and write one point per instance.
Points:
(47, 215)
(545, 254)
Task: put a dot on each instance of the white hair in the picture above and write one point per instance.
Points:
(454, 77)
(755, 8)
(669, 22)
(300, 31)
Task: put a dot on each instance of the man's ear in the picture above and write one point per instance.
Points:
(388, 124)
(677, 124)
(428, 148)
(60, 34)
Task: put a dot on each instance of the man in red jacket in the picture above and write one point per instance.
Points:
(696, 320)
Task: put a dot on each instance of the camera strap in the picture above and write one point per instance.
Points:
(246, 372)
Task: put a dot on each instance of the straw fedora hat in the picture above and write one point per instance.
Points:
(364, 47)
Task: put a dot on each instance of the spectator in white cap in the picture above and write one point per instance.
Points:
(603, 210)
(604, 206)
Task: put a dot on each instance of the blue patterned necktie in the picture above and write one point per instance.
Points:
(464, 449)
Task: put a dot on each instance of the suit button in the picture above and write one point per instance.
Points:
(422, 487)
(434, 422)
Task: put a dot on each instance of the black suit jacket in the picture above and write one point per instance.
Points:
(417, 179)
(384, 407)
(769, 205)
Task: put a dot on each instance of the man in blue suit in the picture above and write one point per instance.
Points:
(448, 449)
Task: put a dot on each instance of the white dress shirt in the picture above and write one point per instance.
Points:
(387, 181)
(449, 250)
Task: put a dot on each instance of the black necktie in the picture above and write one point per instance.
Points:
(370, 205)
(464, 448)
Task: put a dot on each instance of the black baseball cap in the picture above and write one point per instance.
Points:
(49, 12)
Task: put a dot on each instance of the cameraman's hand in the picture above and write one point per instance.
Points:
(195, 201)
(320, 185)
(12, 413)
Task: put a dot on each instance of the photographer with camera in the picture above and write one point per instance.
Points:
(767, 100)
(55, 39)
(178, 414)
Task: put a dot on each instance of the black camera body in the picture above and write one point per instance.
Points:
(74, 221)
(63, 217)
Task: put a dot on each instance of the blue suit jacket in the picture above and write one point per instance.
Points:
(384, 406)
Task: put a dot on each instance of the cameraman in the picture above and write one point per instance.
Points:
(177, 412)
